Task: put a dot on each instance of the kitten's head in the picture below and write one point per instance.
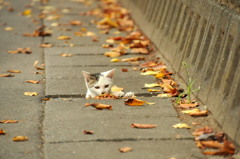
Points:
(99, 83)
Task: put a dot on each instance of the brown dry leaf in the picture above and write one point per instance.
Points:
(124, 70)
(139, 58)
(106, 96)
(14, 71)
(112, 54)
(116, 89)
(125, 149)
(187, 106)
(20, 50)
(6, 75)
(204, 130)
(46, 45)
(64, 37)
(76, 22)
(30, 93)
(134, 102)
(212, 144)
(13, 51)
(107, 45)
(88, 132)
(227, 149)
(37, 67)
(182, 125)
(140, 50)
(20, 138)
(2, 132)
(143, 126)
(32, 81)
(99, 106)
(108, 21)
(196, 112)
(66, 55)
(8, 121)
(46, 99)
(95, 38)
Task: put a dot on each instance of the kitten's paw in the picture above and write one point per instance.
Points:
(118, 94)
(129, 94)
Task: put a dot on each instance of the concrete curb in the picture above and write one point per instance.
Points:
(205, 34)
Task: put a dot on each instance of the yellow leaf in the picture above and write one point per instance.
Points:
(108, 21)
(195, 112)
(64, 37)
(32, 81)
(125, 149)
(20, 138)
(190, 111)
(30, 93)
(134, 102)
(14, 71)
(151, 85)
(111, 41)
(150, 73)
(8, 28)
(112, 54)
(150, 103)
(164, 95)
(66, 55)
(160, 75)
(27, 12)
(116, 89)
(154, 90)
(115, 60)
(182, 125)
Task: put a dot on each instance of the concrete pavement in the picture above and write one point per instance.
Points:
(55, 128)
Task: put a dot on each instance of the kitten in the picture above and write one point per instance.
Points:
(100, 83)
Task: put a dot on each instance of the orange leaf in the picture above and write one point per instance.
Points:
(32, 81)
(204, 130)
(46, 45)
(143, 126)
(125, 149)
(99, 106)
(14, 71)
(212, 144)
(134, 102)
(64, 37)
(6, 75)
(191, 105)
(8, 121)
(112, 54)
(37, 67)
(2, 132)
(139, 58)
(20, 138)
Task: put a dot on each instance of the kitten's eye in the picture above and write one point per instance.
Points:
(96, 87)
(106, 86)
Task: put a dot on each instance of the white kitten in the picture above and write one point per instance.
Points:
(100, 83)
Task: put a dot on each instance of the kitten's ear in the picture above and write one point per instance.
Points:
(110, 73)
(86, 75)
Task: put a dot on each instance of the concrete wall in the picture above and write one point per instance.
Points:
(206, 35)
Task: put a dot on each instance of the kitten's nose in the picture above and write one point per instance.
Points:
(103, 92)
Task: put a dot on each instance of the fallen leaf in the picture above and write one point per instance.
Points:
(6, 75)
(37, 67)
(115, 60)
(204, 130)
(112, 54)
(20, 50)
(139, 58)
(95, 38)
(46, 99)
(125, 149)
(116, 89)
(150, 73)
(143, 126)
(108, 21)
(8, 28)
(212, 144)
(88, 132)
(182, 125)
(14, 71)
(99, 106)
(20, 138)
(27, 12)
(66, 55)
(154, 90)
(140, 50)
(187, 106)
(8, 121)
(160, 75)
(196, 112)
(32, 81)
(107, 45)
(46, 45)
(151, 85)
(2, 132)
(30, 93)
(76, 22)
(134, 102)
(64, 37)
(164, 95)
(124, 70)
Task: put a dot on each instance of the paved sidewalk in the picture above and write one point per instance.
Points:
(55, 127)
